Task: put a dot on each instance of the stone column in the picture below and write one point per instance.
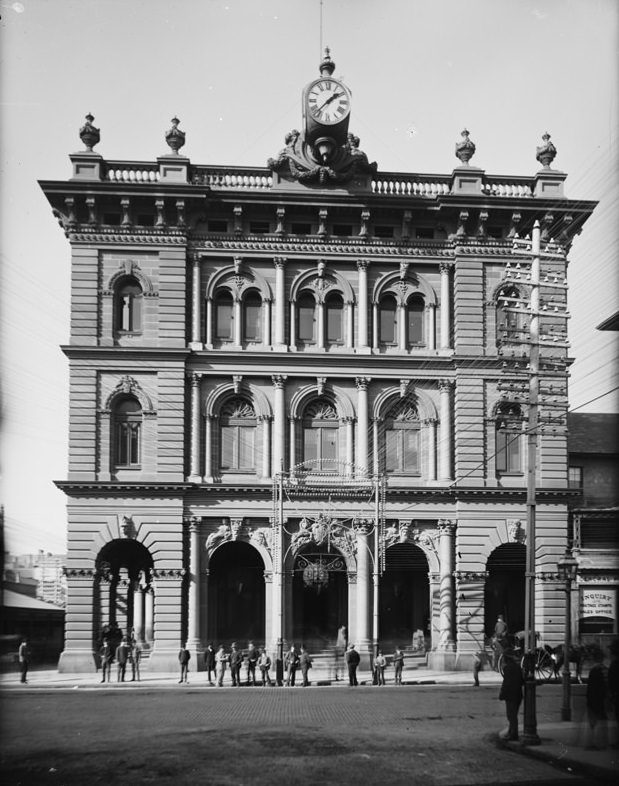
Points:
(193, 627)
(279, 448)
(266, 325)
(375, 431)
(350, 338)
(445, 306)
(138, 612)
(238, 321)
(209, 323)
(320, 324)
(280, 302)
(266, 447)
(196, 315)
(445, 443)
(446, 530)
(208, 449)
(293, 325)
(362, 425)
(350, 445)
(149, 615)
(375, 326)
(292, 442)
(431, 426)
(401, 327)
(194, 458)
(431, 326)
(362, 634)
(362, 315)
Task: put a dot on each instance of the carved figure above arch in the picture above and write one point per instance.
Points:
(238, 279)
(324, 530)
(128, 386)
(217, 397)
(321, 281)
(341, 403)
(402, 285)
(129, 268)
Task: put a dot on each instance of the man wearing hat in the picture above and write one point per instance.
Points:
(511, 692)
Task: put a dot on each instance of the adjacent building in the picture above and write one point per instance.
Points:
(288, 399)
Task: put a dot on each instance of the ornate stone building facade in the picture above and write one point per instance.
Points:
(286, 401)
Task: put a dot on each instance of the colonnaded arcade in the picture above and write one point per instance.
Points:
(286, 408)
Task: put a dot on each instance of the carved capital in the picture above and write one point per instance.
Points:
(362, 382)
(363, 264)
(279, 380)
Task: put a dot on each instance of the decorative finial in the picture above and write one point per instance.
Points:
(175, 137)
(327, 66)
(89, 135)
(546, 153)
(465, 150)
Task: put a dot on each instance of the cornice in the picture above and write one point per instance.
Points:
(284, 245)
(155, 237)
(84, 488)
(125, 354)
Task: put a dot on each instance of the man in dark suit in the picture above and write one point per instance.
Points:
(107, 656)
(511, 692)
(123, 653)
(236, 661)
(352, 661)
(183, 658)
(209, 662)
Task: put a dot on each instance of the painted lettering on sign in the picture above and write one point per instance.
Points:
(598, 603)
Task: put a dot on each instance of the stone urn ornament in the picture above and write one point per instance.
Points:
(465, 150)
(175, 137)
(546, 153)
(89, 135)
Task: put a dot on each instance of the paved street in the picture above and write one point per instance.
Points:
(441, 734)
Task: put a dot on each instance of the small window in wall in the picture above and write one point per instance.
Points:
(306, 323)
(216, 225)
(127, 418)
(384, 231)
(145, 220)
(387, 324)
(252, 317)
(342, 230)
(575, 477)
(128, 306)
(224, 315)
(424, 233)
(509, 439)
(111, 219)
(259, 227)
(298, 228)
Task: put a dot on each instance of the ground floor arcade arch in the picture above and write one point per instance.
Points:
(504, 591)
(404, 595)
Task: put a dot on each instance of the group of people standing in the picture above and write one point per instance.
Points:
(126, 653)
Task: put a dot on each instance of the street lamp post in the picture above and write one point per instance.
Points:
(567, 568)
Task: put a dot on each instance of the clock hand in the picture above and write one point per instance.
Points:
(328, 101)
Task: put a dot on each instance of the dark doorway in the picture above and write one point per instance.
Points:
(505, 587)
(320, 597)
(404, 599)
(236, 595)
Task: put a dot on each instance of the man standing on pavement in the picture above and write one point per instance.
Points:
(23, 655)
(291, 662)
(209, 662)
(511, 693)
(107, 656)
(136, 657)
(123, 653)
(236, 661)
(305, 662)
(183, 658)
(252, 659)
(398, 665)
(352, 661)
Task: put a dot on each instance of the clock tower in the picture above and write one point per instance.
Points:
(326, 112)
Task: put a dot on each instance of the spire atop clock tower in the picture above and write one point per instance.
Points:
(327, 66)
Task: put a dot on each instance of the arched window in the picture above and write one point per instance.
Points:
(509, 439)
(128, 306)
(387, 321)
(306, 326)
(237, 436)
(127, 419)
(320, 436)
(334, 319)
(252, 317)
(224, 316)
(414, 320)
(508, 323)
(402, 440)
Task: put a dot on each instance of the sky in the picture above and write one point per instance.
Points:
(420, 71)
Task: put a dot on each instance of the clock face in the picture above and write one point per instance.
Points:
(328, 101)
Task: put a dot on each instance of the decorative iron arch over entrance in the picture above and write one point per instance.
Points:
(320, 596)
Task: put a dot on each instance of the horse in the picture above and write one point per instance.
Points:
(576, 654)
